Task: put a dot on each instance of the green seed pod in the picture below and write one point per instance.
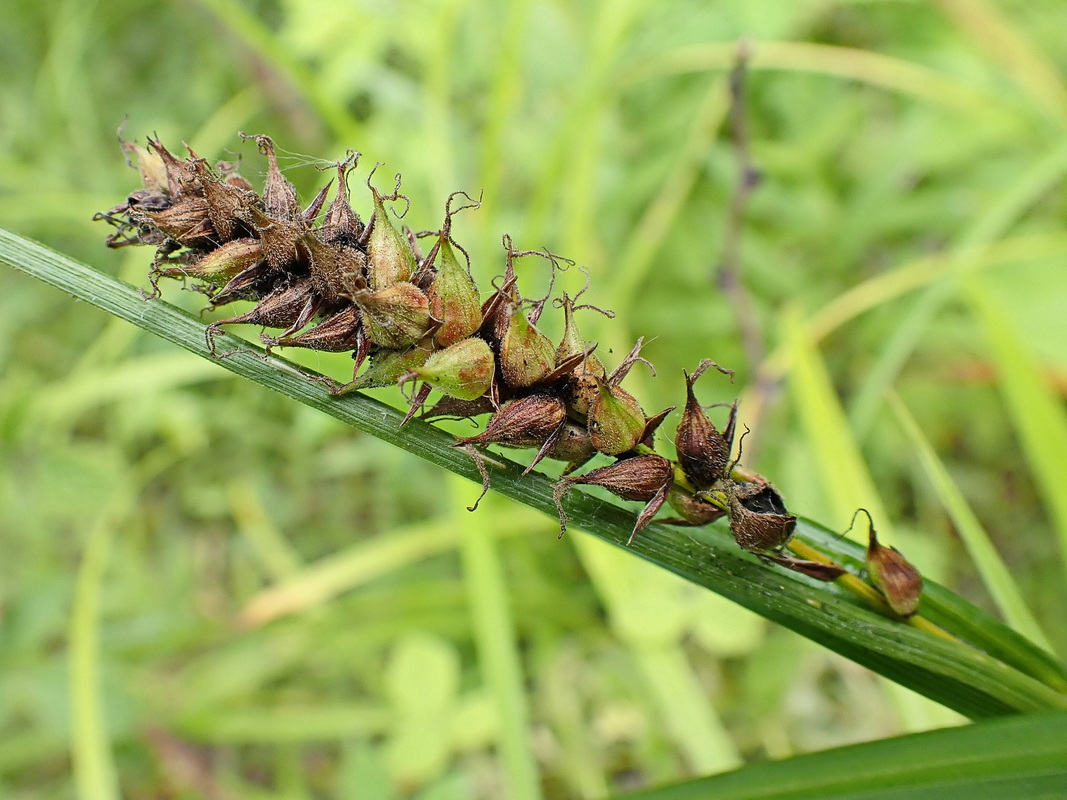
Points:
(574, 446)
(616, 421)
(337, 271)
(463, 370)
(758, 518)
(387, 368)
(893, 575)
(527, 356)
(691, 509)
(573, 343)
(703, 452)
(221, 263)
(396, 317)
(453, 299)
(391, 259)
(645, 478)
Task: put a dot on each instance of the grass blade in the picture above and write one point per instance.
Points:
(969, 681)
(1022, 757)
(995, 574)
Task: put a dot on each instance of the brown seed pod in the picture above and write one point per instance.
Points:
(893, 575)
(290, 307)
(279, 238)
(646, 478)
(338, 272)
(703, 452)
(342, 225)
(819, 570)
(337, 333)
(280, 200)
(227, 205)
(187, 221)
(536, 420)
(759, 520)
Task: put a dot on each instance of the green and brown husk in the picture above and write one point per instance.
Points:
(329, 282)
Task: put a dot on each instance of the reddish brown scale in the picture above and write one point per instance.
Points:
(703, 452)
(645, 478)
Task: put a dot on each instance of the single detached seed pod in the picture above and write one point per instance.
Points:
(893, 575)
(463, 370)
(395, 317)
(391, 258)
(759, 521)
(645, 477)
(616, 421)
(453, 298)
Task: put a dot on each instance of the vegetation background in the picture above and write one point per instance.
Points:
(275, 606)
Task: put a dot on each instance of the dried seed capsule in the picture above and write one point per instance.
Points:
(451, 408)
(759, 520)
(527, 356)
(453, 299)
(279, 238)
(227, 205)
(463, 370)
(337, 271)
(893, 575)
(645, 477)
(819, 570)
(187, 222)
(335, 334)
(703, 452)
(289, 307)
(182, 181)
(391, 259)
(280, 200)
(526, 422)
(616, 421)
(396, 317)
(342, 225)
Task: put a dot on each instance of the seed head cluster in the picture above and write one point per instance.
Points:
(322, 278)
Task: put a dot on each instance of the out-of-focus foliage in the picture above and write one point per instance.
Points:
(208, 591)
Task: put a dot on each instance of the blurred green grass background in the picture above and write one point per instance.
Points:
(209, 591)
